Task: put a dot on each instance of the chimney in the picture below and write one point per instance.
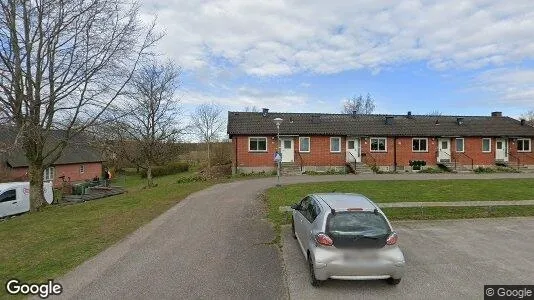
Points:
(409, 115)
(265, 111)
(389, 120)
(523, 122)
(459, 121)
(496, 114)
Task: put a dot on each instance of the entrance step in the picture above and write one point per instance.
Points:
(359, 168)
(451, 167)
(290, 168)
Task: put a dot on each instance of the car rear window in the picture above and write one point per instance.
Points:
(354, 229)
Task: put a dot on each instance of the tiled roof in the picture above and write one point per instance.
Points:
(77, 151)
(248, 123)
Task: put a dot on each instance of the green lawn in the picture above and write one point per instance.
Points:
(49, 243)
(406, 191)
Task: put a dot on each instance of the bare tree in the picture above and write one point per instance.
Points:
(62, 63)
(435, 113)
(150, 116)
(529, 117)
(359, 105)
(251, 109)
(207, 123)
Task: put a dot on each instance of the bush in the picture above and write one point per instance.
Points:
(192, 178)
(496, 170)
(417, 164)
(431, 170)
(256, 174)
(327, 172)
(168, 169)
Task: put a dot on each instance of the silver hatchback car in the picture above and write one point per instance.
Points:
(346, 236)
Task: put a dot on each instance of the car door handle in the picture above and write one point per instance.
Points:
(14, 202)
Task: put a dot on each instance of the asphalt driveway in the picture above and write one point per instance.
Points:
(215, 244)
(450, 259)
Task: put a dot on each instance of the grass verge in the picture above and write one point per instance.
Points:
(47, 244)
(407, 191)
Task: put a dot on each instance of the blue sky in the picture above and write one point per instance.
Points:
(457, 57)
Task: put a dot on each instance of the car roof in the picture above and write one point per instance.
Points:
(7, 185)
(344, 201)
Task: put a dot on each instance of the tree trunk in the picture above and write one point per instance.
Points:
(150, 181)
(209, 160)
(35, 172)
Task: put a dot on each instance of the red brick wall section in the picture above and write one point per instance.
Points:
(525, 158)
(405, 152)
(73, 171)
(320, 154)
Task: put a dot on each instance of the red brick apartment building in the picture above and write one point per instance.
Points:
(319, 142)
(78, 162)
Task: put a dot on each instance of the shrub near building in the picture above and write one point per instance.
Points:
(168, 169)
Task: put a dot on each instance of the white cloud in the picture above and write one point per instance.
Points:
(512, 86)
(251, 97)
(276, 37)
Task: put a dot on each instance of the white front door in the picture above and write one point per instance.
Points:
(287, 149)
(444, 150)
(353, 150)
(500, 150)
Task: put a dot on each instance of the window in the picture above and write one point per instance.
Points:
(460, 145)
(313, 211)
(486, 145)
(369, 228)
(82, 169)
(49, 174)
(419, 145)
(523, 145)
(378, 144)
(335, 144)
(257, 144)
(9, 195)
(304, 144)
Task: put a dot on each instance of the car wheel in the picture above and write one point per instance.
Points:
(293, 228)
(393, 281)
(314, 282)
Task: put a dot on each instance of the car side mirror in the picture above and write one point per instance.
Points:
(295, 206)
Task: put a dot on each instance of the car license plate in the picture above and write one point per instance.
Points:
(363, 255)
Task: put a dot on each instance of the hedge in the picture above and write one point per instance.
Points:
(168, 169)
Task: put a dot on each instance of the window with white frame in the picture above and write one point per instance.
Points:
(486, 145)
(257, 144)
(82, 169)
(378, 144)
(49, 174)
(335, 144)
(304, 144)
(420, 145)
(459, 145)
(523, 145)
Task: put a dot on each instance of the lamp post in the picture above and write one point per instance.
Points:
(278, 121)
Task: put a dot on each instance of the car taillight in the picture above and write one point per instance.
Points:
(392, 238)
(324, 239)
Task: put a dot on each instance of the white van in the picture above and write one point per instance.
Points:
(15, 197)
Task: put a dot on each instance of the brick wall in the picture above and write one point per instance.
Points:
(72, 170)
(320, 154)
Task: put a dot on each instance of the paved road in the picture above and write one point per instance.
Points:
(450, 259)
(213, 244)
